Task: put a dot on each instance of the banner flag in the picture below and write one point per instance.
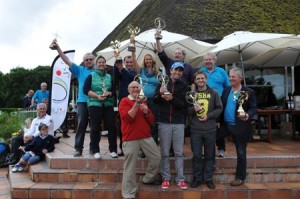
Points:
(60, 89)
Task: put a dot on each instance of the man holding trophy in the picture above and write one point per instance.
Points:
(179, 54)
(239, 108)
(207, 107)
(172, 109)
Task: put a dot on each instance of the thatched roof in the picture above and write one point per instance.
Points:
(211, 20)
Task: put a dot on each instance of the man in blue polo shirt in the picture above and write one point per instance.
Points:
(80, 72)
(40, 95)
(217, 78)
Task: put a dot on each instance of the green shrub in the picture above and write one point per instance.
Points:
(9, 123)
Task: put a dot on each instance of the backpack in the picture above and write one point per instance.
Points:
(4, 153)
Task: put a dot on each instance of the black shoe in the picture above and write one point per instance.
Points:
(65, 135)
(56, 139)
(195, 184)
(210, 185)
(77, 154)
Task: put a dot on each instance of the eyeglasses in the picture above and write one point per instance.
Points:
(134, 87)
(89, 59)
(42, 109)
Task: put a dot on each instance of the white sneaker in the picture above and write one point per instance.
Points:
(15, 168)
(97, 156)
(21, 168)
(221, 153)
(113, 155)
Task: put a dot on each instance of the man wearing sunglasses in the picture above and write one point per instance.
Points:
(80, 72)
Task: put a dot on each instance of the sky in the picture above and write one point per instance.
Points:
(27, 27)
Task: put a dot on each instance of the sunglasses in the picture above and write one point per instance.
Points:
(89, 59)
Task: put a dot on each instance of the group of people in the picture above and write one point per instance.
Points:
(155, 113)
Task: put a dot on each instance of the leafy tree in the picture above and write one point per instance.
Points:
(19, 81)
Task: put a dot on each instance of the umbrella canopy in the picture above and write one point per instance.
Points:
(243, 45)
(145, 44)
(287, 55)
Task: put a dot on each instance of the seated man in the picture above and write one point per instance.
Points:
(18, 141)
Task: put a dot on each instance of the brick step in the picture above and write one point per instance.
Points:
(23, 187)
(60, 160)
(41, 173)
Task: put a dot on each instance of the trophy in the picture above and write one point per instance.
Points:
(133, 32)
(163, 80)
(115, 45)
(190, 98)
(142, 81)
(240, 97)
(160, 24)
(52, 45)
(104, 89)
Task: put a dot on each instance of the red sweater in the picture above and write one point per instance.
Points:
(137, 127)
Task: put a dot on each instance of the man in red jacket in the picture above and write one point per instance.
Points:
(136, 120)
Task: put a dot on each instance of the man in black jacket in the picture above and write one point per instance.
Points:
(172, 109)
(239, 107)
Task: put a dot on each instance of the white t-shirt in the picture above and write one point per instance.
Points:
(34, 128)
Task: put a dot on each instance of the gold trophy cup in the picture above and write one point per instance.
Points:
(163, 80)
(115, 45)
(160, 24)
(133, 32)
(242, 97)
(190, 98)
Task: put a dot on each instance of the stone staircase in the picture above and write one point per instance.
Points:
(62, 176)
(277, 177)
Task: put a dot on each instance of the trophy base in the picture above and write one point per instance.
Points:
(241, 115)
(131, 48)
(158, 37)
(52, 47)
(141, 96)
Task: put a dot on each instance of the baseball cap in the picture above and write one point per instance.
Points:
(177, 65)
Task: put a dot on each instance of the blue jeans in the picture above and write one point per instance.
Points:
(27, 157)
(240, 147)
(203, 168)
(83, 120)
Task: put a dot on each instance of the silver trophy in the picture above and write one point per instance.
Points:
(192, 99)
(160, 24)
(115, 45)
(240, 97)
(143, 82)
(104, 89)
(134, 31)
(163, 80)
(52, 46)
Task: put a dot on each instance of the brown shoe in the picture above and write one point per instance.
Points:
(237, 182)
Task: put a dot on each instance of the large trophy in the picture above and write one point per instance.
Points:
(241, 97)
(143, 82)
(133, 32)
(163, 80)
(52, 46)
(160, 24)
(115, 45)
(190, 98)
